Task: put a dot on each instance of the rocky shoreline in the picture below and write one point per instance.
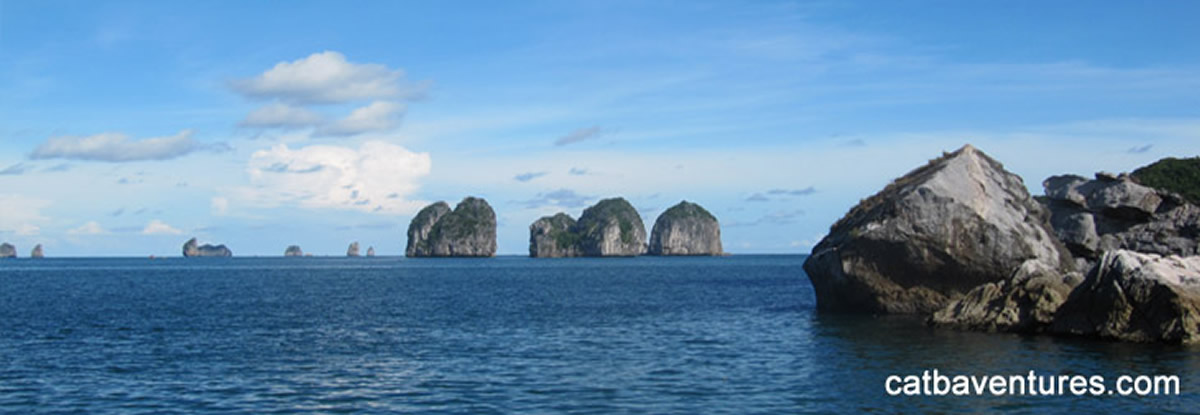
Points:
(960, 242)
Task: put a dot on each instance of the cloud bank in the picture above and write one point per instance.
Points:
(328, 78)
(117, 147)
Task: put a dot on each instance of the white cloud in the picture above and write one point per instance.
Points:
(90, 228)
(117, 147)
(22, 214)
(376, 177)
(378, 116)
(327, 77)
(280, 115)
(220, 205)
(581, 134)
(158, 227)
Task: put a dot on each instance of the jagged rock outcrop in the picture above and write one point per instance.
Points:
(1115, 212)
(554, 237)
(192, 249)
(611, 227)
(421, 226)
(37, 252)
(293, 250)
(1026, 302)
(933, 235)
(7, 250)
(1136, 297)
(352, 250)
(370, 251)
(467, 231)
(686, 229)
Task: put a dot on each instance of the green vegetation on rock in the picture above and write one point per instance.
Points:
(1173, 175)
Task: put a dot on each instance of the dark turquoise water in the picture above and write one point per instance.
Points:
(735, 335)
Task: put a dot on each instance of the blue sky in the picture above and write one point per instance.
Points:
(128, 127)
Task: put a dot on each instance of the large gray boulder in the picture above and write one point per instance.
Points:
(1136, 297)
(352, 250)
(1115, 212)
(931, 236)
(611, 227)
(686, 229)
(37, 252)
(554, 237)
(192, 249)
(467, 231)
(293, 250)
(7, 250)
(421, 226)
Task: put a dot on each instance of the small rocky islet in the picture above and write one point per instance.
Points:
(612, 227)
(191, 248)
(960, 242)
(467, 231)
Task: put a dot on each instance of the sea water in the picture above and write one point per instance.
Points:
(720, 335)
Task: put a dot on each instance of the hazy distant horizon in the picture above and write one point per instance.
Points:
(128, 127)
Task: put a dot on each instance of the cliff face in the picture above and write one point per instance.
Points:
(421, 226)
(611, 227)
(467, 231)
(931, 236)
(191, 249)
(686, 229)
(554, 237)
(7, 250)
(293, 250)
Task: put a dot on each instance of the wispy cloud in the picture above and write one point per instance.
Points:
(327, 77)
(562, 198)
(1140, 149)
(117, 147)
(158, 227)
(786, 217)
(758, 197)
(280, 115)
(792, 192)
(526, 177)
(16, 169)
(576, 171)
(582, 134)
(89, 228)
(376, 116)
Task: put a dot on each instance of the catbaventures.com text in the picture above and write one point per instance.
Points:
(934, 383)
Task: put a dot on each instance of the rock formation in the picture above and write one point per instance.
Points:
(467, 231)
(37, 252)
(352, 250)
(611, 227)
(1115, 212)
(421, 226)
(7, 250)
(931, 236)
(370, 251)
(554, 237)
(686, 229)
(1136, 297)
(190, 249)
(293, 250)
(1025, 302)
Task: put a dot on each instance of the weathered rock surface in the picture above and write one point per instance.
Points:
(293, 250)
(192, 249)
(1026, 302)
(352, 250)
(421, 226)
(686, 229)
(931, 236)
(370, 251)
(554, 237)
(1136, 297)
(37, 252)
(7, 250)
(467, 231)
(611, 227)
(1115, 212)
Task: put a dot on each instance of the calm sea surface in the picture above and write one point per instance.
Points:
(735, 335)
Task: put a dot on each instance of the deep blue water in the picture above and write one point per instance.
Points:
(736, 335)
